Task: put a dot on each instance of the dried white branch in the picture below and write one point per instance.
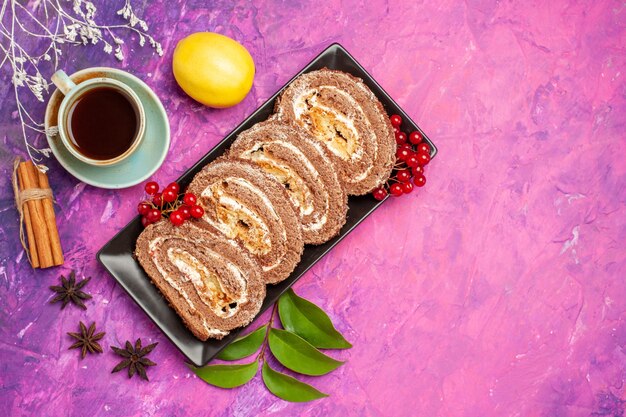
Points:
(54, 23)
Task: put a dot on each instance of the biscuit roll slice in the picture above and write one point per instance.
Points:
(302, 165)
(211, 282)
(342, 113)
(249, 206)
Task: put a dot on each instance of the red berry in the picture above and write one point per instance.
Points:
(157, 200)
(418, 170)
(396, 120)
(407, 187)
(403, 153)
(415, 137)
(169, 196)
(153, 215)
(151, 188)
(412, 160)
(176, 218)
(145, 222)
(403, 175)
(173, 186)
(423, 158)
(196, 211)
(400, 138)
(419, 180)
(396, 129)
(190, 199)
(423, 148)
(143, 208)
(185, 211)
(406, 146)
(379, 193)
(395, 190)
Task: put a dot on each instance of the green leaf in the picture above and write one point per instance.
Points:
(227, 376)
(243, 346)
(309, 322)
(299, 355)
(288, 388)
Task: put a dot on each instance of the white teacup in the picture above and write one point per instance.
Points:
(73, 92)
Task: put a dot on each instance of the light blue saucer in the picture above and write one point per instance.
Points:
(137, 167)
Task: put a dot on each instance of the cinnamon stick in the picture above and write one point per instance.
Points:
(35, 208)
(50, 220)
(32, 243)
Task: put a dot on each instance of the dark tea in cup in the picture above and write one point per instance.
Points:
(102, 123)
(101, 120)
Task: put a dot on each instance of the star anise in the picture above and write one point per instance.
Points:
(70, 290)
(135, 359)
(87, 340)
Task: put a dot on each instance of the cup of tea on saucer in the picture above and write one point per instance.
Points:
(101, 120)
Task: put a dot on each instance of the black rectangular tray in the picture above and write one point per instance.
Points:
(117, 255)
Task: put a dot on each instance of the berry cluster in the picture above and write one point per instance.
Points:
(169, 203)
(412, 156)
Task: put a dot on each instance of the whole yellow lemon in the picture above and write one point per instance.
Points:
(213, 69)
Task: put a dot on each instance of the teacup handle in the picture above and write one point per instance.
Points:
(63, 81)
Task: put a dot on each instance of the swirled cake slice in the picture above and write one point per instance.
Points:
(342, 113)
(211, 282)
(302, 165)
(251, 207)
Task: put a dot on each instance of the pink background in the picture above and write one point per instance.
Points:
(496, 290)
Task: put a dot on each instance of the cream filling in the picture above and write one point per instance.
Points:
(154, 251)
(302, 109)
(370, 129)
(269, 204)
(299, 193)
(336, 130)
(260, 194)
(214, 332)
(318, 224)
(208, 193)
(207, 284)
(237, 221)
(318, 220)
